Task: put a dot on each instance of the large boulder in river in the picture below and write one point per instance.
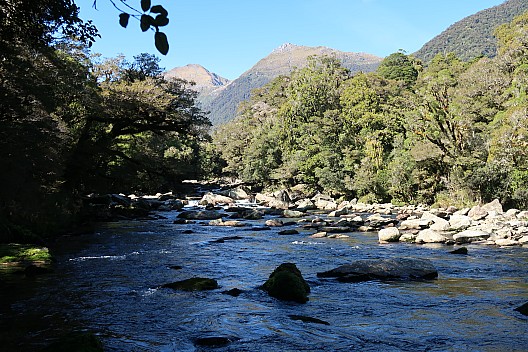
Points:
(286, 283)
(469, 236)
(430, 236)
(384, 269)
(193, 284)
(389, 234)
(201, 215)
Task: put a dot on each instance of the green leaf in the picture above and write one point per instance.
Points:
(161, 42)
(161, 21)
(123, 19)
(159, 9)
(146, 22)
(145, 5)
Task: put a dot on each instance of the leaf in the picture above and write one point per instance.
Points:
(146, 22)
(161, 21)
(161, 42)
(159, 9)
(145, 5)
(123, 19)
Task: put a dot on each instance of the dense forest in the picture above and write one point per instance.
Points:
(73, 124)
(451, 133)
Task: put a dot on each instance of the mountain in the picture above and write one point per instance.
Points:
(221, 100)
(473, 35)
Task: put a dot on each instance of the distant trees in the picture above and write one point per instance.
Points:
(451, 132)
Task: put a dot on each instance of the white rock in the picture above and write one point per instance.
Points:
(408, 237)
(389, 234)
(430, 236)
(459, 222)
(469, 236)
(506, 242)
(523, 240)
(414, 224)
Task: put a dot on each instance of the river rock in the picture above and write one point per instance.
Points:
(288, 232)
(319, 235)
(229, 223)
(414, 224)
(305, 204)
(523, 309)
(214, 199)
(193, 284)
(439, 224)
(201, 215)
(494, 206)
(286, 283)
(389, 234)
(523, 215)
(461, 250)
(292, 213)
(237, 193)
(469, 236)
(459, 222)
(505, 242)
(212, 341)
(477, 213)
(409, 237)
(384, 269)
(430, 236)
(274, 223)
(324, 202)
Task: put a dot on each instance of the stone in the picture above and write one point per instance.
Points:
(504, 242)
(463, 211)
(324, 202)
(469, 236)
(193, 284)
(319, 235)
(289, 232)
(414, 224)
(389, 234)
(237, 193)
(201, 215)
(383, 269)
(235, 292)
(292, 213)
(230, 223)
(228, 238)
(214, 199)
(461, 250)
(439, 224)
(495, 206)
(305, 204)
(274, 223)
(213, 341)
(523, 309)
(511, 214)
(477, 213)
(338, 213)
(430, 236)
(306, 319)
(523, 215)
(459, 222)
(338, 235)
(408, 237)
(286, 283)
(523, 240)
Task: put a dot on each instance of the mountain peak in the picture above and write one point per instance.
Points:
(285, 47)
(204, 79)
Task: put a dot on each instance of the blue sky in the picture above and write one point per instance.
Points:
(229, 36)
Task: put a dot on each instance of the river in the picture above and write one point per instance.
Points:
(108, 283)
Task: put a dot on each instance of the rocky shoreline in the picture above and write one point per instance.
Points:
(486, 224)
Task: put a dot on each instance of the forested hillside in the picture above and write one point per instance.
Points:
(473, 36)
(223, 103)
(454, 132)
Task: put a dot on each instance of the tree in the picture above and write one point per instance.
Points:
(399, 67)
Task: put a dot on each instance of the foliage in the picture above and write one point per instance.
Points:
(453, 132)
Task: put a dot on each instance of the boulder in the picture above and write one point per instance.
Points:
(229, 223)
(505, 242)
(237, 193)
(469, 236)
(439, 224)
(523, 215)
(389, 234)
(288, 232)
(201, 215)
(414, 224)
(305, 204)
(286, 283)
(494, 206)
(214, 199)
(523, 309)
(459, 222)
(477, 213)
(408, 237)
(461, 250)
(384, 269)
(193, 284)
(292, 213)
(324, 202)
(274, 223)
(430, 236)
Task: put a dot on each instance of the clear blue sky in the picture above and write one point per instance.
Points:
(229, 36)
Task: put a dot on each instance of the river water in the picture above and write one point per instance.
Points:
(108, 283)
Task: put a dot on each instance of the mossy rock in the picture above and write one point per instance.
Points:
(193, 284)
(12, 253)
(76, 342)
(286, 283)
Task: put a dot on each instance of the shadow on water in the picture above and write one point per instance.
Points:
(108, 282)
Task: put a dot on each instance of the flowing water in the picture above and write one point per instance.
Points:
(108, 282)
